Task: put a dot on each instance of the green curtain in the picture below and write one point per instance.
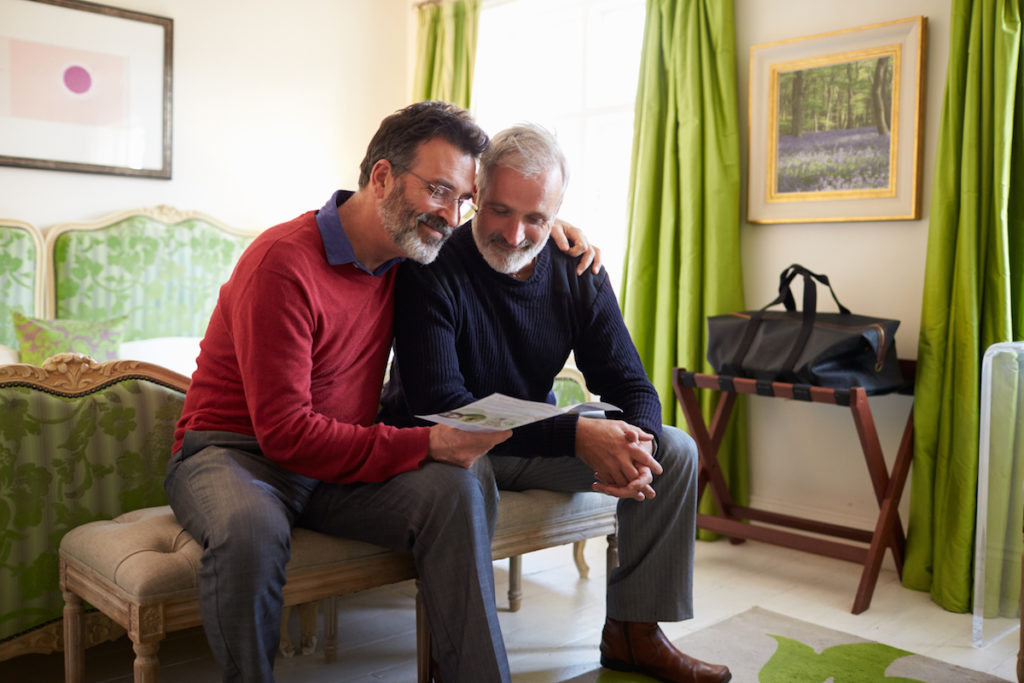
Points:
(973, 290)
(683, 251)
(445, 51)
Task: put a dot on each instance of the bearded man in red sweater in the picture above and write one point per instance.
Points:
(285, 397)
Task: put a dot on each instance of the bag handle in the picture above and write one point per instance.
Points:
(810, 312)
(785, 297)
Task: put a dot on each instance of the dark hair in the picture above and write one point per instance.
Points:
(401, 133)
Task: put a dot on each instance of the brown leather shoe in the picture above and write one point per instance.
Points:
(642, 647)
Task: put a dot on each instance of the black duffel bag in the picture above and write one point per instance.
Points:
(834, 350)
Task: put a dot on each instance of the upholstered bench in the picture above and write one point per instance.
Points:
(136, 564)
(141, 569)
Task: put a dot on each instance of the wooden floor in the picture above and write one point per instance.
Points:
(555, 635)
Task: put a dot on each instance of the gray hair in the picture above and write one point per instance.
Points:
(528, 149)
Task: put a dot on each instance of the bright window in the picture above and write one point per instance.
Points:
(570, 66)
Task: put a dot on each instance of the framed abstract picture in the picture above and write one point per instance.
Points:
(835, 125)
(85, 87)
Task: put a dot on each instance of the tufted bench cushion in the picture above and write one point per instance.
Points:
(145, 553)
(149, 557)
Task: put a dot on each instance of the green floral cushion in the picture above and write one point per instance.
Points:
(166, 277)
(18, 263)
(67, 461)
(39, 339)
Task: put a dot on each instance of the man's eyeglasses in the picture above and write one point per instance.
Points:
(440, 194)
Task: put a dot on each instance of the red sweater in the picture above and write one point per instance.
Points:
(295, 354)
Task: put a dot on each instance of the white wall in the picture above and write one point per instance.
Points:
(806, 458)
(274, 103)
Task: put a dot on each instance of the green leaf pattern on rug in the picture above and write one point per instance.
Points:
(795, 662)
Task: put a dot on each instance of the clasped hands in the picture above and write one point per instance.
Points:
(621, 455)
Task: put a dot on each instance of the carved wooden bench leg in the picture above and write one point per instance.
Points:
(308, 613)
(612, 557)
(580, 560)
(74, 646)
(515, 583)
(286, 647)
(330, 609)
(147, 666)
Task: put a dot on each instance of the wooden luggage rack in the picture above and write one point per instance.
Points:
(739, 522)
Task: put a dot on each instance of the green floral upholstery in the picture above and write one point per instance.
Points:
(570, 388)
(165, 277)
(568, 392)
(66, 461)
(20, 281)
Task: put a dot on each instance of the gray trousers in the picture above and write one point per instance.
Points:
(240, 507)
(654, 579)
(434, 512)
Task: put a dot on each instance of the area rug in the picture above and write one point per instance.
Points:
(760, 646)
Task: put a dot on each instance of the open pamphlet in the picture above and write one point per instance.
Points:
(498, 412)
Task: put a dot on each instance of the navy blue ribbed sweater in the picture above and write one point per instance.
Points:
(464, 331)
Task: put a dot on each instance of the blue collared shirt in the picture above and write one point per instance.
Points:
(336, 243)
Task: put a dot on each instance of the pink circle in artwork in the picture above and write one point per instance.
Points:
(77, 79)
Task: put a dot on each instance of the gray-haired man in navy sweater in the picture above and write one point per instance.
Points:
(500, 310)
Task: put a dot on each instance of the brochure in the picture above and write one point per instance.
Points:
(497, 412)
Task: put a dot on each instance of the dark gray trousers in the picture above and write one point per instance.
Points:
(654, 579)
(240, 507)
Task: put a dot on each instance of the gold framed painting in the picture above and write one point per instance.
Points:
(835, 125)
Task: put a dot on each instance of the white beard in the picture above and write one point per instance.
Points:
(504, 260)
